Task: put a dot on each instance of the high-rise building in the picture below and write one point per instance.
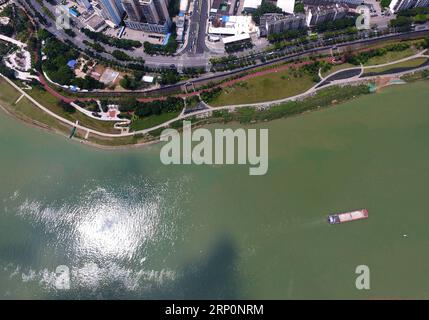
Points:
(398, 5)
(150, 12)
(147, 15)
(112, 10)
(422, 3)
(161, 8)
(133, 9)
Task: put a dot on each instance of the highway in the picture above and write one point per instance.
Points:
(197, 29)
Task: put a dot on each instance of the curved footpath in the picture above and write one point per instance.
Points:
(182, 116)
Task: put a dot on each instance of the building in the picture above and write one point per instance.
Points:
(85, 3)
(112, 10)
(162, 10)
(422, 3)
(232, 25)
(180, 28)
(150, 12)
(184, 5)
(349, 3)
(236, 39)
(133, 10)
(251, 5)
(277, 22)
(148, 27)
(399, 5)
(95, 23)
(147, 15)
(287, 6)
(321, 14)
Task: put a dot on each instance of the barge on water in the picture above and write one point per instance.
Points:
(348, 216)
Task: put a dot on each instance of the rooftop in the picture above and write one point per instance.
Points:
(286, 5)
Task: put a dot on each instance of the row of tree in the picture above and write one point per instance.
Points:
(125, 44)
(156, 107)
(168, 49)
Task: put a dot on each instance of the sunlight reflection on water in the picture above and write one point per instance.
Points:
(107, 234)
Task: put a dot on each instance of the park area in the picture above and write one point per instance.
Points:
(272, 86)
(396, 67)
(25, 110)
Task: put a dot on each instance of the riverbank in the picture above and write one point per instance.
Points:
(321, 99)
(319, 96)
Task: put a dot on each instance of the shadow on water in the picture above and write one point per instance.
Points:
(212, 277)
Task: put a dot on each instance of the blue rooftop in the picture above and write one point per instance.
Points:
(72, 64)
(74, 12)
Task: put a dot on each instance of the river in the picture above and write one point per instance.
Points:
(123, 225)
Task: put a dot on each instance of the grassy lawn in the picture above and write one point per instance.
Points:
(273, 86)
(123, 141)
(414, 63)
(152, 121)
(391, 56)
(27, 111)
(338, 67)
(8, 94)
(51, 102)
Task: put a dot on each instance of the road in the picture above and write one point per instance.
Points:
(195, 53)
(197, 29)
(151, 61)
(211, 77)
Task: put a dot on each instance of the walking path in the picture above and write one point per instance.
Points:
(126, 133)
(56, 116)
(11, 40)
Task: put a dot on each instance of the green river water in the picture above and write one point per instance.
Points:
(127, 226)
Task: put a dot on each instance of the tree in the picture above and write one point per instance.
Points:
(385, 3)
(63, 75)
(401, 22)
(128, 104)
(265, 7)
(66, 107)
(8, 73)
(121, 55)
(169, 77)
(299, 7)
(129, 83)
